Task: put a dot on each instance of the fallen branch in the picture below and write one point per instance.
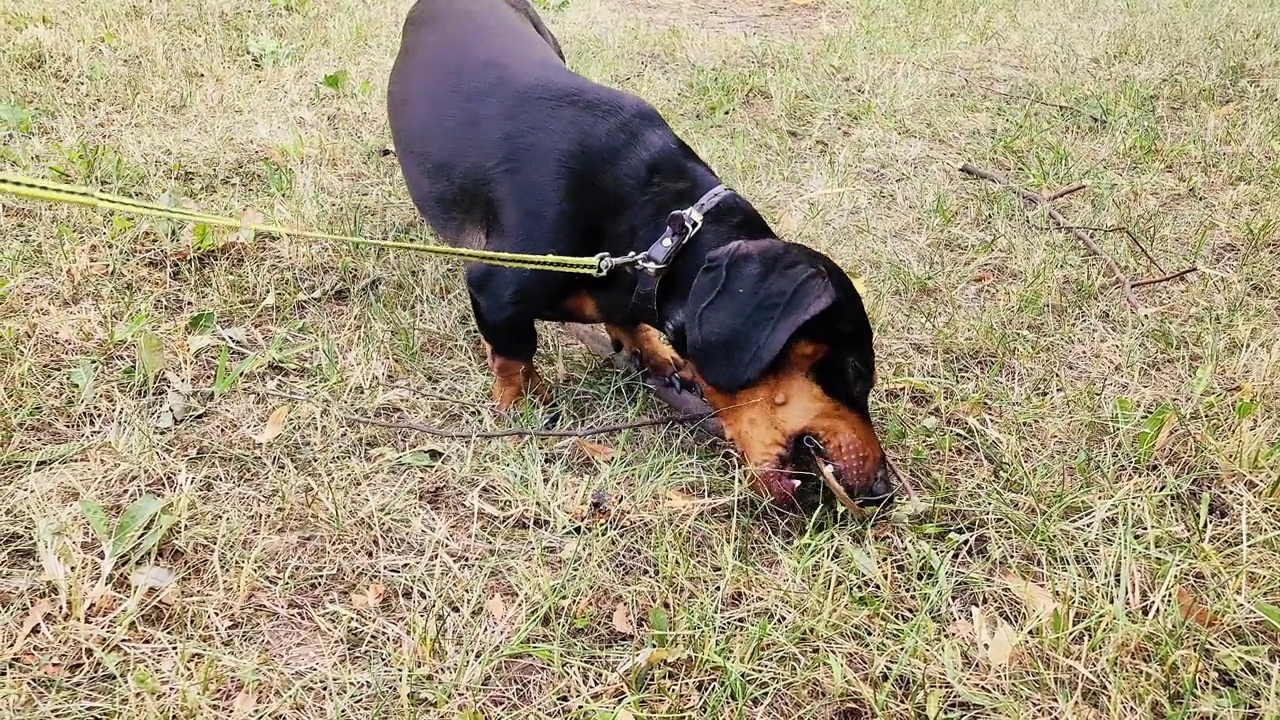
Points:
(1164, 279)
(685, 403)
(1041, 201)
(693, 417)
(1071, 190)
(1133, 238)
(520, 432)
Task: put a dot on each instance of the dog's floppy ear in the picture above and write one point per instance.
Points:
(746, 302)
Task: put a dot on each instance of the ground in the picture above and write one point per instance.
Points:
(1096, 534)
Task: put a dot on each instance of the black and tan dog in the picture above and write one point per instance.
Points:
(503, 147)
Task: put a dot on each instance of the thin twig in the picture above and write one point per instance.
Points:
(1133, 238)
(1015, 96)
(1166, 278)
(491, 434)
(1070, 190)
(1038, 200)
(683, 402)
(521, 432)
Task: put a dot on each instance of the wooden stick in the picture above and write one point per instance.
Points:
(1038, 200)
(519, 432)
(687, 404)
(1071, 190)
(1166, 278)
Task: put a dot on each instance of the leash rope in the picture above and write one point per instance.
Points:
(55, 192)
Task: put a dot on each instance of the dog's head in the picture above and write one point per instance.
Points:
(782, 346)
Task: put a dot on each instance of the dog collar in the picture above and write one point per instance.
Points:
(682, 225)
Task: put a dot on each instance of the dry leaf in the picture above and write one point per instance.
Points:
(1041, 602)
(148, 577)
(646, 658)
(370, 597)
(595, 451)
(1192, 611)
(275, 426)
(983, 278)
(960, 629)
(624, 714)
(53, 670)
(497, 606)
(36, 614)
(622, 620)
(677, 499)
(1166, 430)
(1000, 644)
(244, 704)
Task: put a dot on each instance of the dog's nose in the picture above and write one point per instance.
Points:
(881, 491)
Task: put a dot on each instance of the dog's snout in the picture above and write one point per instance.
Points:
(882, 484)
(881, 490)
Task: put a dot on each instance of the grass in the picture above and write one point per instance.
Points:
(1100, 536)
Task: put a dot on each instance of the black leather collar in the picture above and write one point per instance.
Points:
(681, 226)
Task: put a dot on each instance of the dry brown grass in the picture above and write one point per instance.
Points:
(1126, 466)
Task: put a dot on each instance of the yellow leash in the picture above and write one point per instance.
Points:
(48, 191)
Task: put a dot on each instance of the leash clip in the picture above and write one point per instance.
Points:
(606, 263)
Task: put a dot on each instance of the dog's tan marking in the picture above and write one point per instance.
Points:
(646, 343)
(514, 380)
(763, 419)
(581, 308)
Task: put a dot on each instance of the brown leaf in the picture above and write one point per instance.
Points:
(1162, 439)
(53, 670)
(622, 620)
(983, 278)
(677, 499)
(624, 714)
(1192, 611)
(1000, 645)
(960, 629)
(496, 606)
(274, 426)
(34, 616)
(244, 704)
(595, 451)
(1041, 602)
(369, 597)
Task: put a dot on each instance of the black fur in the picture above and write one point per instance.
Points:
(499, 140)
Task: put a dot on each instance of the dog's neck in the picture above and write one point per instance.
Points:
(733, 218)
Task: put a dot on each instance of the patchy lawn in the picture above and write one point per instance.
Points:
(1099, 535)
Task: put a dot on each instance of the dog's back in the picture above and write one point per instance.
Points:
(489, 123)
(464, 77)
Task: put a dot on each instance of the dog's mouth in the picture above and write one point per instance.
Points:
(813, 481)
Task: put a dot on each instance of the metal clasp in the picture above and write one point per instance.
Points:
(606, 263)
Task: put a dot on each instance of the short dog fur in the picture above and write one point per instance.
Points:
(503, 147)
